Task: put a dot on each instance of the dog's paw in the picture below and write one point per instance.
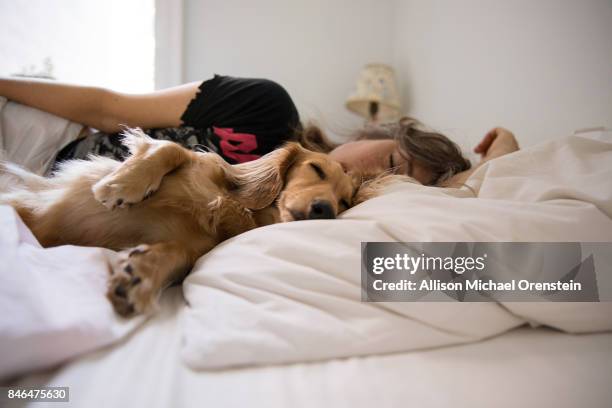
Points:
(131, 288)
(113, 192)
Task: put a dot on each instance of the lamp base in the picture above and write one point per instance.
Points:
(373, 111)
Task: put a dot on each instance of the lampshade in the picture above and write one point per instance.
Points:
(376, 83)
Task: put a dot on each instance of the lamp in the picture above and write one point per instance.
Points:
(376, 97)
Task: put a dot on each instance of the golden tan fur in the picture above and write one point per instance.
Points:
(165, 206)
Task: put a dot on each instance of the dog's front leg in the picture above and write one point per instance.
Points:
(142, 173)
(141, 273)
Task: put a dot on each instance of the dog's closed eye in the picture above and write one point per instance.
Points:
(318, 170)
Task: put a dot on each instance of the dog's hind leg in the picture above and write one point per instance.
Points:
(140, 274)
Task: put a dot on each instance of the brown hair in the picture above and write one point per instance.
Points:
(433, 150)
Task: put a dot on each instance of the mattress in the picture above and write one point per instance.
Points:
(525, 367)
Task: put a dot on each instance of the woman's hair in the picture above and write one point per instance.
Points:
(433, 150)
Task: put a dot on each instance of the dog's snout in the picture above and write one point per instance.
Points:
(321, 210)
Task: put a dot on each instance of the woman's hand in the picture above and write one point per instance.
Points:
(497, 142)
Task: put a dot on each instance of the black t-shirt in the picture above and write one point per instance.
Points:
(239, 118)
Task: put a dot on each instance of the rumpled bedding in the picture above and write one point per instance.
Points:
(52, 301)
(291, 292)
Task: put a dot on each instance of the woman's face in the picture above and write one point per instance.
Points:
(378, 156)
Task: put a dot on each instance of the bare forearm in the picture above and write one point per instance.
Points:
(101, 108)
(82, 104)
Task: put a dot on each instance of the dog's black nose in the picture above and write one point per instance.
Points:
(321, 210)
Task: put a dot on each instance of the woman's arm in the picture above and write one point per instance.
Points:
(101, 108)
(497, 142)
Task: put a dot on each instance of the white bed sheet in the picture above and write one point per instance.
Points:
(525, 367)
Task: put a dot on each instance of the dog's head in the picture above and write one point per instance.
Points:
(305, 184)
(315, 187)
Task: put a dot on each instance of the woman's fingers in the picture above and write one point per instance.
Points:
(486, 142)
(497, 142)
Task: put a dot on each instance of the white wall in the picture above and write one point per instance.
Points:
(95, 42)
(314, 48)
(540, 68)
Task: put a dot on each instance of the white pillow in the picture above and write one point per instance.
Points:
(32, 138)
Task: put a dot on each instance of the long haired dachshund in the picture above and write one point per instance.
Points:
(165, 206)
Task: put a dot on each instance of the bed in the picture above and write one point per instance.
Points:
(273, 317)
(525, 367)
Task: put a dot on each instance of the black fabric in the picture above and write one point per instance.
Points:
(109, 145)
(258, 107)
(239, 118)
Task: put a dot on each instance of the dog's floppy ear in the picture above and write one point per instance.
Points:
(256, 184)
(313, 138)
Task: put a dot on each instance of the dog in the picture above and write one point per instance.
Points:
(165, 206)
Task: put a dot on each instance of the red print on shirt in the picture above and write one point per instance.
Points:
(237, 151)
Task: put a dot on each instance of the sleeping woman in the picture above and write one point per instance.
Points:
(242, 119)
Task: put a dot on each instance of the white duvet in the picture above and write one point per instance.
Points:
(52, 301)
(291, 292)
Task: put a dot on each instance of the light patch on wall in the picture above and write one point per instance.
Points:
(107, 43)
